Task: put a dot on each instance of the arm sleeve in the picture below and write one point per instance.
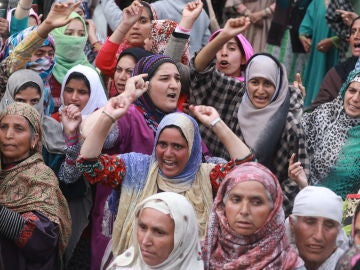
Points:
(106, 58)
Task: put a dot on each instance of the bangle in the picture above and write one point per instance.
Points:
(182, 29)
(113, 120)
(214, 122)
(23, 8)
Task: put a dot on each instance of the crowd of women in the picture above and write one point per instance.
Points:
(176, 144)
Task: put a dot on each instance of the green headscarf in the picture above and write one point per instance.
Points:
(69, 50)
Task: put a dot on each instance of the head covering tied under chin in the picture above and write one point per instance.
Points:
(317, 201)
(150, 65)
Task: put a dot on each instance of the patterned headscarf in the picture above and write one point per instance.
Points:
(144, 104)
(39, 185)
(267, 248)
(186, 250)
(161, 32)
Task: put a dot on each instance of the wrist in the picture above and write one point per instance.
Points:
(214, 122)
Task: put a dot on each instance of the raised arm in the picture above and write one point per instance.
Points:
(232, 27)
(208, 116)
(106, 116)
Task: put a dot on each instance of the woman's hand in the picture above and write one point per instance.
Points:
(256, 17)
(135, 87)
(306, 42)
(57, 17)
(235, 26)
(347, 16)
(132, 14)
(324, 45)
(296, 172)
(71, 119)
(205, 114)
(4, 28)
(190, 13)
(298, 84)
(117, 106)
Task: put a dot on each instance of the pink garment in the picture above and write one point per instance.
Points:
(248, 49)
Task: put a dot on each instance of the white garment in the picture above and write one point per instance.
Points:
(186, 252)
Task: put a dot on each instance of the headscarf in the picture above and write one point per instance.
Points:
(161, 32)
(52, 139)
(32, 13)
(193, 182)
(69, 49)
(97, 93)
(262, 128)
(144, 104)
(43, 66)
(186, 251)
(39, 185)
(266, 248)
(332, 139)
(350, 260)
(246, 47)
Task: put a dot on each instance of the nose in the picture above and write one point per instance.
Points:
(356, 97)
(318, 234)
(224, 50)
(147, 239)
(74, 96)
(123, 75)
(9, 133)
(244, 208)
(174, 83)
(168, 151)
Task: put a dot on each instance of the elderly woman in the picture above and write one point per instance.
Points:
(34, 217)
(246, 227)
(175, 164)
(166, 236)
(315, 227)
(332, 135)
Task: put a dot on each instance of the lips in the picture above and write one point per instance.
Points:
(315, 247)
(171, 95)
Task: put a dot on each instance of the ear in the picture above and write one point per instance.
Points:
(35, 140)
(243, 60)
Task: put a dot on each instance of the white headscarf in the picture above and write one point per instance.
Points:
(186, 252)
(97, 93)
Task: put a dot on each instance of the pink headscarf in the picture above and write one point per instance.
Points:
(267, 248)
(32, 13)
(246, 46)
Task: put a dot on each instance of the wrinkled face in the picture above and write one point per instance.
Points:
(123, 72)
(15, 138)
(260, 92)
(165, 86)
(352, 100)
(247, 207)
(44, 51)
(315, 238)
(229, 59)
(155, 235)
(354, 39)
(76, 92)
(172, 152)
(140, 30)
(357, 230)
(75, 28)
(29, 95)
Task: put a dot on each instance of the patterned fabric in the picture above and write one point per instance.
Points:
(267, 248)
(31, 185)
(224, 93)
(332, 139)
(350, 259)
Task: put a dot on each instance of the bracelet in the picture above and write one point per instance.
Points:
(26, 9)
(113, 120)
(214, 122)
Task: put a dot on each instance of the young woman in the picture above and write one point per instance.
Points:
(246, 227)
(35, 222)
(175, 164)
(165, 235)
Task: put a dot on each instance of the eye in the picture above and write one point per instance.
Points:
(178, 146)
(235, 199)
(68, 32)
(83, 92)
(161, 144)
(68, 90)
(144, 20)
(3, 126)
(34, 101)
(329, 224)
(309, 220)
(160, 232)
(19, 100)
(256, 202)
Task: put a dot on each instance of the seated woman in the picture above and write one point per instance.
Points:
(166, 235)
(175, 164)
(34, 217)
(332, 137)
(246, 226)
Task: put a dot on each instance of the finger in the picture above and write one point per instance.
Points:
(292, 158)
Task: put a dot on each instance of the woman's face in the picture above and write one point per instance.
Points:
(15, 138)
(165, 86)
(229, 59)
(355, 38)
(260, 92)
(29, 95)
(140, 30)
(76, 92)
(123, 72)
(352, 100)
(172, 152)
(75, 28)
(44, 51)
(247, 207)
(155, 235)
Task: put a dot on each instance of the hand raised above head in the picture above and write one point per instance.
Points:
(190, 13)
(235, 26)
(136, 86)
(205, 114)
(132, 13)
(59, 13)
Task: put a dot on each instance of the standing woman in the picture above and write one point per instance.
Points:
(35, 220)
(246, 226)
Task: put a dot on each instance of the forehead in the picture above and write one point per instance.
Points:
(75, 24)
(233, 42)
(166, 68)
(15, 119)
(354, 85)
(127, 59)
(155, 218)
(356, 24)
(248, 188)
